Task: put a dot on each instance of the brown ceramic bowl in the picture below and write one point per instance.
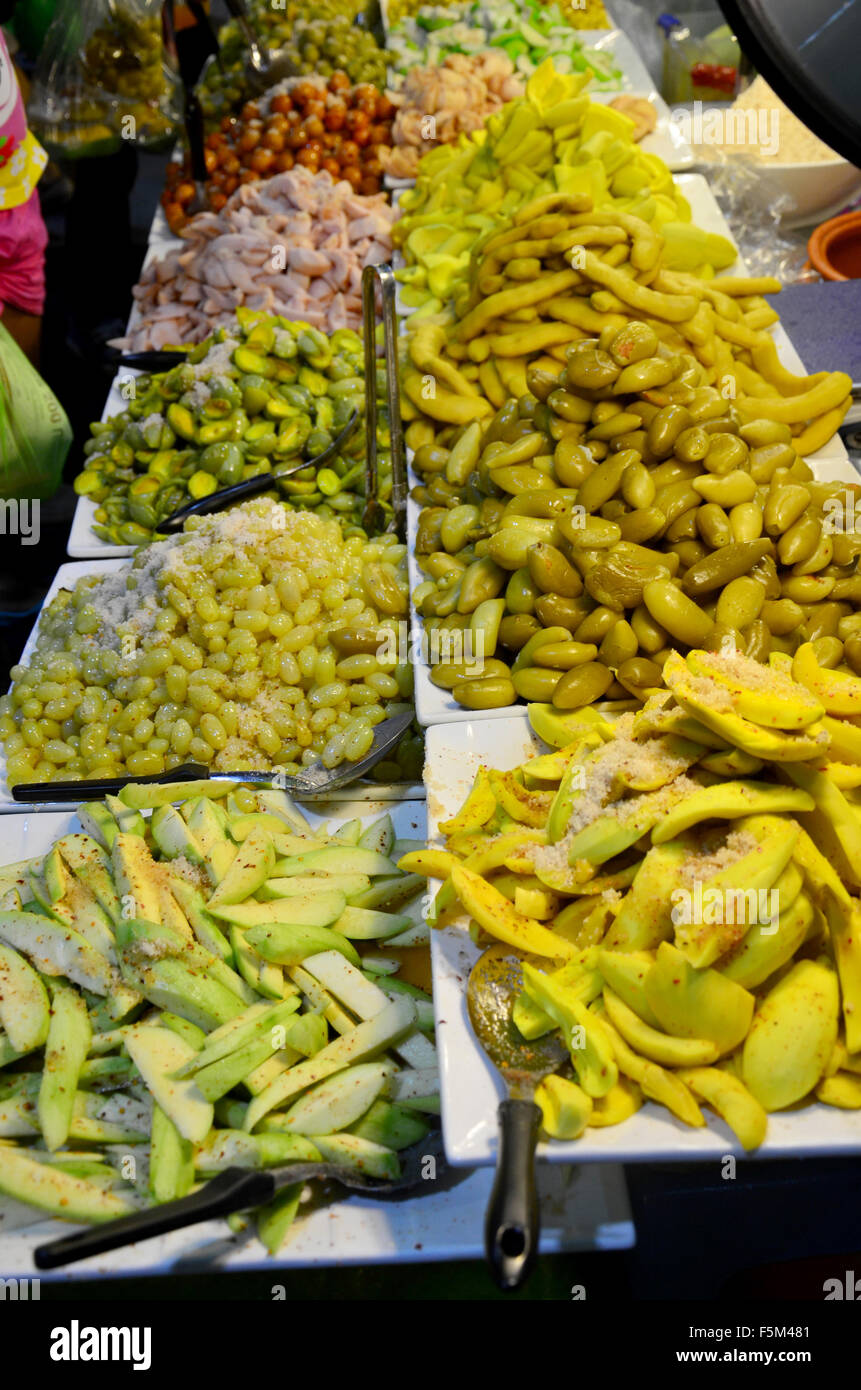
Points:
(835, 247)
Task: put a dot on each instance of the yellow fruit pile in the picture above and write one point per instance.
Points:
(662, 880)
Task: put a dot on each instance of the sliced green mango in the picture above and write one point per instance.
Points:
(24, 1007)
(66, 1051)
(693, 1003)
(288, 943)
(305, 910)
(729, 801)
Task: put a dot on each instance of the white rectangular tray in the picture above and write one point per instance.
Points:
(830, 464)
(65, 578)
(471, 1087)
(582, 1210)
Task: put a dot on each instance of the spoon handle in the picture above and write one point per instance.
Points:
(512, 1222)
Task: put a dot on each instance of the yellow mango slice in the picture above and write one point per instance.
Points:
(836, 691)
(772, 700)
(476, 810)
(771, 745)
(729, 801)
(842, 1090)
(757, 956)
(565, 1107)
(656, 1046)
(693, 1003)
(431, 863)
(591, 1052)
(845, 740)
(618, 1105)
(732, 1101)
(528, 807)
(500, 919)
(625, 972)
(663, 1086)
(792, 1035)
(752, 874)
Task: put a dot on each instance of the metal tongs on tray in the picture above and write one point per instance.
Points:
(251, 487)
(309, 784)
(374, 518)
(241, 1189)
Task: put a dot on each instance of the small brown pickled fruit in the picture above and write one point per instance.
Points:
(356, 641)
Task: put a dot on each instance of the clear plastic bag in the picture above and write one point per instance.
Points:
(753, 204)
(102, 77)
(35, 434)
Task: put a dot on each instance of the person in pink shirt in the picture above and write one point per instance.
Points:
(23, 235)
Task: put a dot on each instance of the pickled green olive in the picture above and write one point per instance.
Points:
(638, 673)
(552, 610)
(677, 613)
(449, 674)
(516, 630)
(491, 692)
(665, 429)
(582, 685)
(692, 445)
(562, 656)
(723, 565)
(550, 571)
(589, 368)
(741, 603)
(535, 683)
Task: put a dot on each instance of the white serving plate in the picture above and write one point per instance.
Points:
(585, 1210)
(471, 1087)
(65, 578)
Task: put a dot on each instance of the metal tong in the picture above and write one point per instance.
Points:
(252, 487)
(374, 515)
(309, 784)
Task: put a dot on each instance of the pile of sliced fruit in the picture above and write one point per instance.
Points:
(676, 884)
(203, 987)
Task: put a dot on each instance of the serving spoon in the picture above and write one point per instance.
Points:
(512, 1222)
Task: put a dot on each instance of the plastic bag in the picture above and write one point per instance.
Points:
(753, 204)
(102, 76)
(35, 434)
